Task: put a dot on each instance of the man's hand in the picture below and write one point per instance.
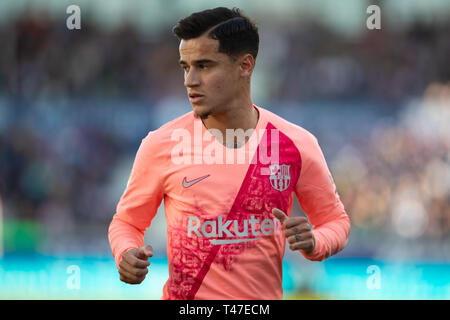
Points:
(297, 231)
(134, 263)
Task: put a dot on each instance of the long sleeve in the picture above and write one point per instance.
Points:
(139, 202)
(320, 201)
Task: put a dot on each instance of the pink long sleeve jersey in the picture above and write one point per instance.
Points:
(223, 240)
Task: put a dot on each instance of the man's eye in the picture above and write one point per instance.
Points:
(185, 68)
(202, 66)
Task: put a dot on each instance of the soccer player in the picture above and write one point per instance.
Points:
(228, 222)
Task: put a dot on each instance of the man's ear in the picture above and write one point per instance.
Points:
(246, 65)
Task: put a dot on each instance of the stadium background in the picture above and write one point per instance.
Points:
(75, 104)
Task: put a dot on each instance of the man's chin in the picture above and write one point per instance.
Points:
(201, 113)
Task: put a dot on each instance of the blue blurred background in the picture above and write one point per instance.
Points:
(75, 104)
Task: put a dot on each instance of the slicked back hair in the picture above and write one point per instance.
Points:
(236, 33)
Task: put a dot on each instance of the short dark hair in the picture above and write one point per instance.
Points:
(236, 33)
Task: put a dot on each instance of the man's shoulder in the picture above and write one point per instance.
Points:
(165, 130)
(294, 131)
(306, 143)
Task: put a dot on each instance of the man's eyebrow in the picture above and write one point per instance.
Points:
(182, 62)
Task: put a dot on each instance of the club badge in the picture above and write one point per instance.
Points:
(280, 178)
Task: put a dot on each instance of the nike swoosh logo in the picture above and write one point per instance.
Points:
(187, 184)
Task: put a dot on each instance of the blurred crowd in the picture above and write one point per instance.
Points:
(67, 180)
(383, 65)
(50, 61)
(398, 180)
(46, 60)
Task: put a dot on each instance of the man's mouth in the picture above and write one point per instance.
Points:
(195, 97)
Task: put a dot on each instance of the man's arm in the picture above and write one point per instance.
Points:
(136, 209)
(320, 201)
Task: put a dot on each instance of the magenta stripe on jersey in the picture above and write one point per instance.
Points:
(250, 202)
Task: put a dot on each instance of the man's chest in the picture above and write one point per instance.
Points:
(217, 189)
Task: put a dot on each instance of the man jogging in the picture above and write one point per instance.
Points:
(228, 221)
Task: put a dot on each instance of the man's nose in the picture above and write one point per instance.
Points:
(191, 79)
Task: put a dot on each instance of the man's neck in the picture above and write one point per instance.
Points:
(245, 117)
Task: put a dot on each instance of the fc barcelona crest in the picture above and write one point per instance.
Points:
(280, 178)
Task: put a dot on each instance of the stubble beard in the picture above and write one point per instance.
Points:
(203, 115)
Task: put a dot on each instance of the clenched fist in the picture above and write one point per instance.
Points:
(297, 231)
(134, 263)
